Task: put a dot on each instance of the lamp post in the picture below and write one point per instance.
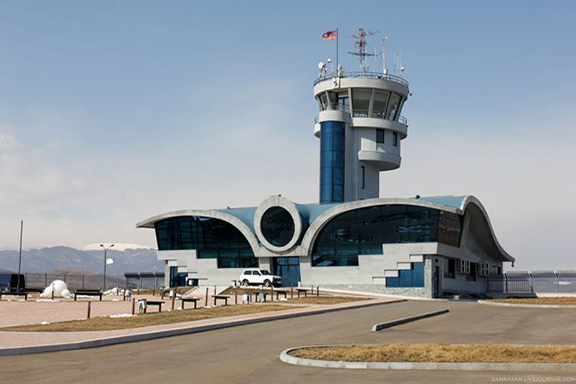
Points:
(105, 251)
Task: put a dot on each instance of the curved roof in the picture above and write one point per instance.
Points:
(316, 216)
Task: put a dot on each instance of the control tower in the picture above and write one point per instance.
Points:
(360, 129)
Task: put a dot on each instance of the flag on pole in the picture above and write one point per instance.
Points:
(330, 35)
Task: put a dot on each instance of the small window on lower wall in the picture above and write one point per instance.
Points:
(449, 268)
(414, 277)
(472, 275)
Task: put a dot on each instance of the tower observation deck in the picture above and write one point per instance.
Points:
(360, 129)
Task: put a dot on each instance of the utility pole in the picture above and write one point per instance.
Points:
(104, 278)
(20, 254)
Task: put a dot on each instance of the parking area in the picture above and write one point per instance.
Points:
(249, 354)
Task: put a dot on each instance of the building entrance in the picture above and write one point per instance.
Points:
(288, 268)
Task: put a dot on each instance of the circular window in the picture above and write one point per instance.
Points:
(277, 226)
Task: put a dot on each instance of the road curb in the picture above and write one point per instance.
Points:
(488, 302)
(105, 341)
(540, 367)
(409, 319)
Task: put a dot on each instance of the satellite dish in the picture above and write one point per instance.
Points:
(320, 65)
(402, 69)
(329, 61)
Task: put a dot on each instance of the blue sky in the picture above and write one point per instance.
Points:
(114, 111)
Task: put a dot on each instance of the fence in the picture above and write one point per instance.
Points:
(72, 280)
(533, 282)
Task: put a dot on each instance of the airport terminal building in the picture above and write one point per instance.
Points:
(352, 239)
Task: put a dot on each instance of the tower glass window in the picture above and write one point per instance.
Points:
(380, 104)
(211, 238)
(361, 102)
(277, 226)
(332, 162)
(394, 104)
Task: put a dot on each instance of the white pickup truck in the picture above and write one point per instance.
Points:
(255, 276)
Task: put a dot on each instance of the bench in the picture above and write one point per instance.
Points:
(189, 299)
(221, 297)
(25, 294)
(278, 293)
(154, 302)
(88, 292)
(303, 290)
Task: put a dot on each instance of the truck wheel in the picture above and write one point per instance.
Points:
(267, 283)
(245, 283)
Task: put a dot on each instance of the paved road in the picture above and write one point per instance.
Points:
(249, 354)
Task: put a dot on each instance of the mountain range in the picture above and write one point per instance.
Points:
(49, 259)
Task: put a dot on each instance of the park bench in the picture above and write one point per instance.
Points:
(153, 302)
(302, 290)
(281, 292)
(21, 293)
(221, 297)
(189, 299)
(88, 292)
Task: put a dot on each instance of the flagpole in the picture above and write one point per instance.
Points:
(20, 255)
(337, 43)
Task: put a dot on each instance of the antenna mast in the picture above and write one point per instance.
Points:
(361, 43)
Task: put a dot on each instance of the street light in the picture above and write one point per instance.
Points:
(105, 250)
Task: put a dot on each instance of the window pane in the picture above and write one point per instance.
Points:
(395, 103)
(380, 104)
(361, 102)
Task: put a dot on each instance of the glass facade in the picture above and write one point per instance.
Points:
(413, 277)
(288, 268)
(331, 162)
(363, 231)
(211, 238)
(277, 226)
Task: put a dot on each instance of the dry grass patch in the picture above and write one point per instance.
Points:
(108, 323)
(443, 353)
(540, 300)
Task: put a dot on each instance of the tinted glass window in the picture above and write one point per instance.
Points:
(331, 162)
(277, 226)
(256, 273)
(449, 228)
(211, 238)
(248, 273)
(363, 231)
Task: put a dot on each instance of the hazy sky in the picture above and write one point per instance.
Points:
(115, 111)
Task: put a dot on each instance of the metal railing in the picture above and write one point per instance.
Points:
(533, 282)
(367, 75)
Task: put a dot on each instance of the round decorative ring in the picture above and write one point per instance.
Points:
(278, 223)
